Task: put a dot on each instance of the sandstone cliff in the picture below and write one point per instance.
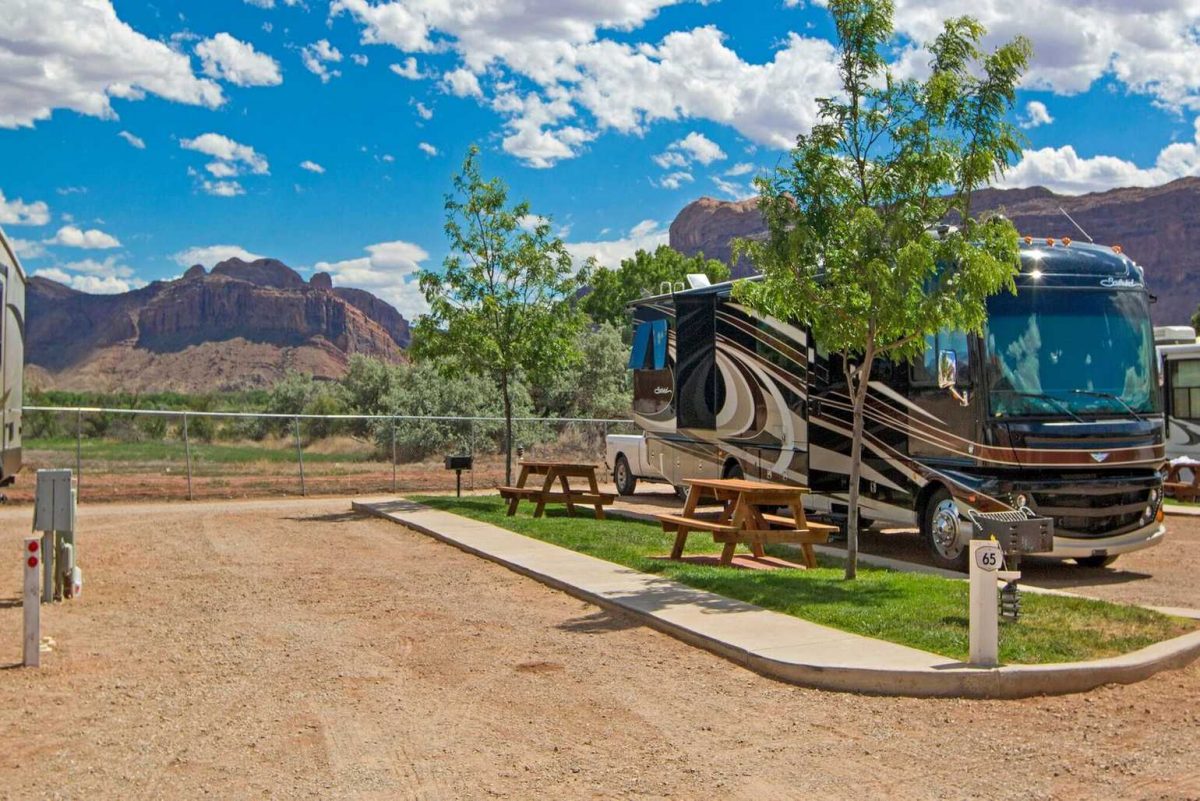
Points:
(1159, 227)
(240, 326)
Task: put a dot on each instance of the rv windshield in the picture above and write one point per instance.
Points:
(1061, 351)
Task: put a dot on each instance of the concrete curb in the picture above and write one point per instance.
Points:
(811, 655)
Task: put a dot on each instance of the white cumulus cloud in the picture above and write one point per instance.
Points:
(674, 180)
(408, 69)
(18, 212)
(222, 188)
(92, 238)
(134, 141)
(646, 235)
(78, 55)
(208, 255)
(462, 83)
(238, 62)
(389, 270)
(1063, 170)
(233, 154)
(312, 166)
(1149, 46)
(107, 277)
(574, 70)
(319, 54)
(1035, 114)
(427, 149)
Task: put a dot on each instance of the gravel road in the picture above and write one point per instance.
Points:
(290, 649)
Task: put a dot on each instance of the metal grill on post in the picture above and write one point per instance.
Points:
(458, 464)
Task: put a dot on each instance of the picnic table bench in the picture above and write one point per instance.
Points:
(557, 472)
(743, 521)
(1175, 486)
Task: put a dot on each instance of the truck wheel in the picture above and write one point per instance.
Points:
(623, 477)
(945, 533)
(1095, 561)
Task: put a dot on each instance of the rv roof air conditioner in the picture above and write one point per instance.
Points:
(697, 280)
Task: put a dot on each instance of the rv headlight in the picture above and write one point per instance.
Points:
(1021, 501)
(1155, 496)
(1148, 514)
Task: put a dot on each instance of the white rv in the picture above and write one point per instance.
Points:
(1179, 356)
(12, 360)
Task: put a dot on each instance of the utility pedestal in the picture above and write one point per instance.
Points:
(987, 561)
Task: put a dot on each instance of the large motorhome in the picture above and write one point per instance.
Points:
(1179, 360)
(12, 360)
(1055, 407)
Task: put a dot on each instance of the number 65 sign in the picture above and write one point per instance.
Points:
(988, 558)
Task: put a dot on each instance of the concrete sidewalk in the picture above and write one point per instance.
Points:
(774, 644)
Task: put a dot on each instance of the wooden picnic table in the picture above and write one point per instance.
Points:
(560, 472)
(1175, 486)
(743, 519)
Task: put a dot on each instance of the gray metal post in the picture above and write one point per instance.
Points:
(187, 451)
(393, 454)
(78, 453)
(472, 452)
(300, 455)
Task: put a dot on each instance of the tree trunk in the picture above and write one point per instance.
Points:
(858, 399)
(508, 427)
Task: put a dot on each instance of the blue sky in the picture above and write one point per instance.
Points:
(144, 136)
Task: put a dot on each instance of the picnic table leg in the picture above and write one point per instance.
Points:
(689, 508)
(680, 540)
(512, 505)
(727, 553)
(591, 477)
(566, 488)
(810, 556)
(546, 485)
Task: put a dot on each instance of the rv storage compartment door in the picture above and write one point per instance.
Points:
(698, 389)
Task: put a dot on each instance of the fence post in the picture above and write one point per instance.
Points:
(187, 452)
(79, 454)
(471, 450)
(299, 455)
(393, 454)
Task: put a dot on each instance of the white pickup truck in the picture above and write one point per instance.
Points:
(626, 458)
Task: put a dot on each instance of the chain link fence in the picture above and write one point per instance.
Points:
(154, 454)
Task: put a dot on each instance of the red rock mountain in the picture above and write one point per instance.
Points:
(1159, 227)
(240, 326)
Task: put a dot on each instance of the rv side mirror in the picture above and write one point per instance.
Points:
(947, 369)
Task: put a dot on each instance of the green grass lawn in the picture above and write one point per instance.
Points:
(110, 450)
(926, 612)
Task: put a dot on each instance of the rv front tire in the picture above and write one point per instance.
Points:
(944, 532)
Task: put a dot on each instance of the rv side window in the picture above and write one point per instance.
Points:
(923, 370)
(1185, 389)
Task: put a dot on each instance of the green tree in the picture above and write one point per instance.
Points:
(502, 306)
(366, 387)
(612, 290)
(600, 387)
(849, 250)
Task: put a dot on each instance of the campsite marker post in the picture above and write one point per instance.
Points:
(31, 602)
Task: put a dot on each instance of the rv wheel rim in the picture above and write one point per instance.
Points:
(945, 529)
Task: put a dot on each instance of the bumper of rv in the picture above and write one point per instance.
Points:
(1136, 540)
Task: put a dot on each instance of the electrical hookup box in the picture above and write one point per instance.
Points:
(54, 505)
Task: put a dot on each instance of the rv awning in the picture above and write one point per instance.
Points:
(649, 339)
